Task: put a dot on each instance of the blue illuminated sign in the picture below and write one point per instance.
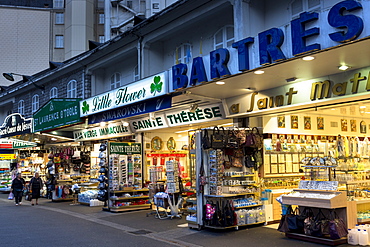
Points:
(341, 18)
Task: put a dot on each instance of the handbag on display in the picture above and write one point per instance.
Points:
(218, 138)
(206, 144)
(232, 140)
(337, 227)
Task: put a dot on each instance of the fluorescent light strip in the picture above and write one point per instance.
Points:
(56, 136)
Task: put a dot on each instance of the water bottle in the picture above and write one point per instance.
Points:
(352, 236)
(363, 238)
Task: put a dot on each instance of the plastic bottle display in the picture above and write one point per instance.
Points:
(352, 237)
(363, 238)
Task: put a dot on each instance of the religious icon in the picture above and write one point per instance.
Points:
(353, 125)
(307, 123)
(343, 124)
(281, 121)
(320, 123)
(294, 122)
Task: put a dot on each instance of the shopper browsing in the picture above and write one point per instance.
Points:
(17, 188)
(35, 187)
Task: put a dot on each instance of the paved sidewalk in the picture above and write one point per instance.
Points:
(62, 224)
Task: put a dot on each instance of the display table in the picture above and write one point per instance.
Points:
(324, 200)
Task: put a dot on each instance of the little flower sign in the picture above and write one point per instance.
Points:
(138, 91)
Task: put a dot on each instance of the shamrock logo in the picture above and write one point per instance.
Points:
(156, 86)
(85, 107)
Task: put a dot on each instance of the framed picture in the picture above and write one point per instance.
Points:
(294, 122)
(281, 121)
(307, 123)
(344, 125)
(362, 127)
(289, 138)
(353, 125)
(320, 123)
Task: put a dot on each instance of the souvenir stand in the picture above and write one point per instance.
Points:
(228, 190)
(126, 190)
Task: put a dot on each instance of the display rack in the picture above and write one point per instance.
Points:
(129, 199)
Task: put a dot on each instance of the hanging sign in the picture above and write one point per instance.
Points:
(14, 144)
(147, 88)
(109, 131)
(7, 156)
(15, 124)
(57, 113)
(151, 105)
(124, 148)
(179, 117)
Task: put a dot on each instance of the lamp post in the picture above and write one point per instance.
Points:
(25, 78)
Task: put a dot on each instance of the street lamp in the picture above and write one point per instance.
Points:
(10, 77)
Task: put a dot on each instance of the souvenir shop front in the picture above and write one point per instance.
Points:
(67, 164)
(18, 154)
(316, 144)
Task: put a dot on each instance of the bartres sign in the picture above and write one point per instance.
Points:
(16, 124)
(341, 23)
(150, 87)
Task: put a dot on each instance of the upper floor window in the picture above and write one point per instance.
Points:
(59, 18)
(183, 54)
(115, 81)
(59, 41)
(58, 4)
(129, 4)
(224, 37)
(72, 89)
(299, 6)
(136, 73)
(101, 38)
(54, 93)
(101, 18)
(155, 5)
(21, 107)
(35, 103)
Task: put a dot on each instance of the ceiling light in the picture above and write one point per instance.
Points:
(152, 116)
(259, 72)
(102, 124)
(53, 139)
(220, 82)
(193, 107)
(363, 106)
(124, 123)
(343, 67)
(251, 89)
(308, 58)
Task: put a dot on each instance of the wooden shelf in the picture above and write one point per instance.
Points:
(129, 198)
(241, 185)
(250, 206)
(122, 191)
(131, 207)
(240, 176)
(232, 195)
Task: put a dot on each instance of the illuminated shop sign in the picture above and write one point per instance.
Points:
(179, 117)
(312, 31)
(304, 93)
(106, 132)
(148, 88)
(57, 113)
(150, 105)
(15, 124)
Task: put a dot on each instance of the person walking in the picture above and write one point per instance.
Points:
(35, 186)
(17, 188)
